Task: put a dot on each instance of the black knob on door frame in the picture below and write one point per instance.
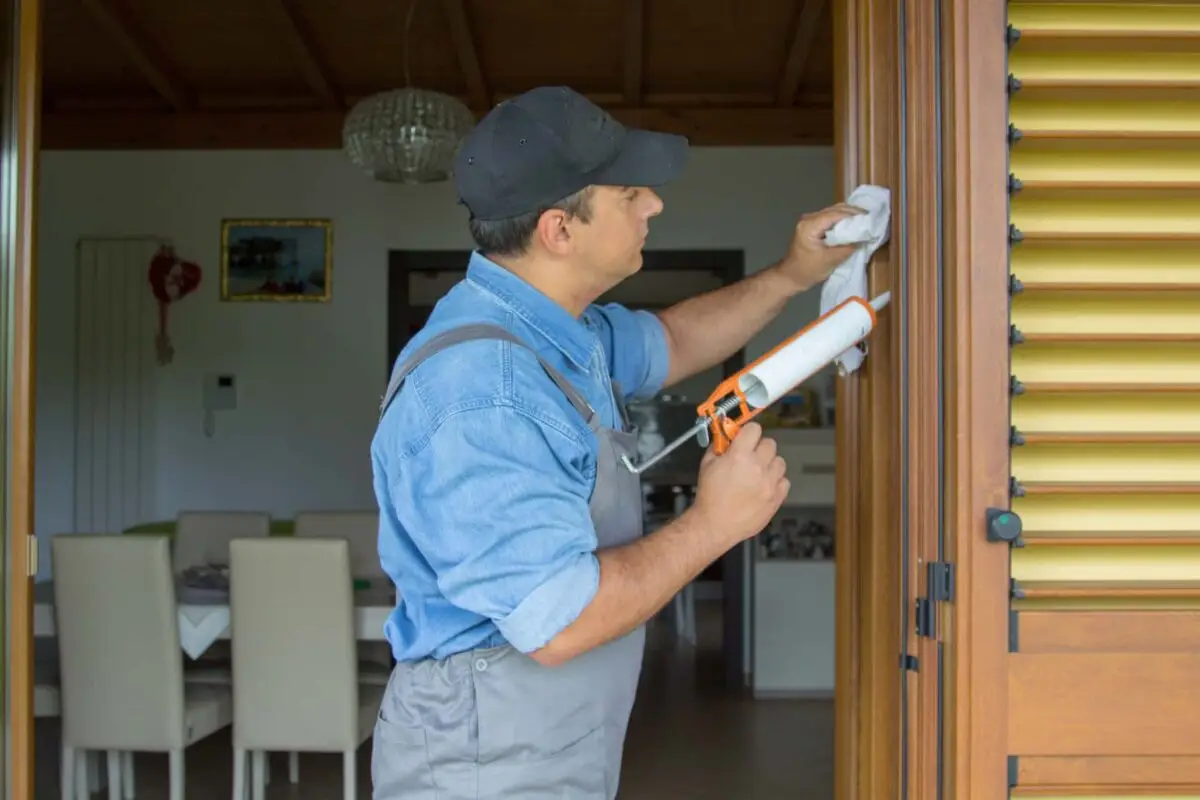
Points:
(1003, 525)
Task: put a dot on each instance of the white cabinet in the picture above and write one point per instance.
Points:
(793, 598)
(793, 628)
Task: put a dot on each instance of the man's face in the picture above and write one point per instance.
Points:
(610, 245)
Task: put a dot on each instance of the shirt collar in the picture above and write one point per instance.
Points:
(566, 333)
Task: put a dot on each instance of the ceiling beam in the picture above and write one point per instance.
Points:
(140, 49)
(802, 41)
(468, 53)
(224, 101)
(298, 36)
(635, 23)
(322, 130)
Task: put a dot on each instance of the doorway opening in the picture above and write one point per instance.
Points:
(887, 553)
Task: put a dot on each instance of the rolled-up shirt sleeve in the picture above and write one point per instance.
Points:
(497, 503)
(636, 346)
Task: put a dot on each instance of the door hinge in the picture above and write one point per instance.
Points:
(926, 618)
(1014, 769)
(1014, 631)
(939, 588)
(31, 553)
(910, 663)
(940, 581)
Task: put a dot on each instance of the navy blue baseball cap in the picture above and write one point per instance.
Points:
(551, 142)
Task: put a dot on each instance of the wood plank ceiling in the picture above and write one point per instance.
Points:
(165, 74)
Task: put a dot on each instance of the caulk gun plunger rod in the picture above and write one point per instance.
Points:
(691, 433)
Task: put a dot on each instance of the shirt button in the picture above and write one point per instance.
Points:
(481, 665)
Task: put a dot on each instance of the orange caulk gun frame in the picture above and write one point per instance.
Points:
(729, 395)
(716, 421)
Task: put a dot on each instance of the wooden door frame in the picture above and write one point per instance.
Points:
(867, 684)
(868, 694)
(24, 100)
(948, 256)
(974, 60)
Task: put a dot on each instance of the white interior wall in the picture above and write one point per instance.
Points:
(309, 376)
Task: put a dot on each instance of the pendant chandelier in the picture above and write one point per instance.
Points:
(406, 135)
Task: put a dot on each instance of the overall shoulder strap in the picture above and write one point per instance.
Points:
(473, 332)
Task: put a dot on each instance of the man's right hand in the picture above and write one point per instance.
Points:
(739, 492)
(737, 495)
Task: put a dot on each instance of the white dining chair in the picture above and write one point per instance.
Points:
(295, 671)
(360, 529)
(202, 537)
(121, 682)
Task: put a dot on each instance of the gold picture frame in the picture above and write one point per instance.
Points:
(277, 260)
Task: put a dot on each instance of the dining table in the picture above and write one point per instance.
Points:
(204, 613)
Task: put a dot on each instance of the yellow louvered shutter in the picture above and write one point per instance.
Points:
(1104, 680)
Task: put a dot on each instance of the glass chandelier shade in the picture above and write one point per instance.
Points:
(406, 135)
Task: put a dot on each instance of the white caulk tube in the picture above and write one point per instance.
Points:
(810, 350)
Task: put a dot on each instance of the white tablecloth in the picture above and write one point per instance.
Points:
(204, 615)
(203, 618)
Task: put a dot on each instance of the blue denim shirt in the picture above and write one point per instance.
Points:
(483, 469)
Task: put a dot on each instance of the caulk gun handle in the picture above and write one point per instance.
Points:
(723, 431)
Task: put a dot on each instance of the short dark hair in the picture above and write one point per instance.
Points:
(512, 236)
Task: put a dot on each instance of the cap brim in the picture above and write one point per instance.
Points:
(647, 158)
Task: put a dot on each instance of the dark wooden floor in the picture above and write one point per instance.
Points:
(689, 739)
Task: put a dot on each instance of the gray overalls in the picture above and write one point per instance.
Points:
(493, 723)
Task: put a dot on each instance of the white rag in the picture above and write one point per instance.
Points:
(870, 232)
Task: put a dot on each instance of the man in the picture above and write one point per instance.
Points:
(507, 521)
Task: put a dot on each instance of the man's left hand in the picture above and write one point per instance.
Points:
(809, 261)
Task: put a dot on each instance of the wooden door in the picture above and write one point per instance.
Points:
(975, 442)
(1104, 671)
(922, 109)
(895, 578)
(20, 26)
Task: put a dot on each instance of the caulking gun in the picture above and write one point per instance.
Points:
(774, 374)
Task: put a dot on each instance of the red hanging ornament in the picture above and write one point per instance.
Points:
(170, 280)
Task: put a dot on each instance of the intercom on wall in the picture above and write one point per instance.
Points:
(220, 394)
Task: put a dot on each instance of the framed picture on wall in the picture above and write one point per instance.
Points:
(276, 260)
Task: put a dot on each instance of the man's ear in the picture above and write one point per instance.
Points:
(553, 232)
